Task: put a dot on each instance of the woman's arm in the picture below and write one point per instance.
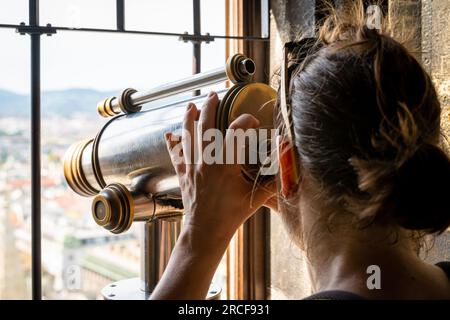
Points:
(217, 199)
(191, 267)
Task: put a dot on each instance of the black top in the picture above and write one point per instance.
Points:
(345, 295)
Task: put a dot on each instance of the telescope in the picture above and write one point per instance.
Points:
(127, 170)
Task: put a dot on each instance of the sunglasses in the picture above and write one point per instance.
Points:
(294, 57)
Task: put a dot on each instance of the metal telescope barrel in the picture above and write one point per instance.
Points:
(238, 69)
(127, 169)
(197, 81)
(126, 166)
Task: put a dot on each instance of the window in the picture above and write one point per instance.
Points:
(427, 21)
(15, 187)
(112, 50)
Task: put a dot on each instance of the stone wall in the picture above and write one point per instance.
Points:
(430, 35)
(435, 36)
(436, 50)
(288, 278)
(427, 25)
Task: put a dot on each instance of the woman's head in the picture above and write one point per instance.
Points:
(366, 124)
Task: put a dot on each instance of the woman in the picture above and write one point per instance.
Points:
(362, 179)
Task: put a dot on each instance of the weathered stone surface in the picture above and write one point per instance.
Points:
(288, 274)
(290, 20)
(436, 57)
(430, 25)
(436, 47)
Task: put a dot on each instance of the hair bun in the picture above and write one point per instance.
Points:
(421, 191)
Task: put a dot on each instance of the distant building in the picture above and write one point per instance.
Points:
(13, 284)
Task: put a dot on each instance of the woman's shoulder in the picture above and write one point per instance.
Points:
(345, 295)
(445, 266)
(335, 295)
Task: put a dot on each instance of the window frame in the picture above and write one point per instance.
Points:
(35, 30)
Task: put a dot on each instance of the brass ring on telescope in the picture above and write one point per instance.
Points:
(224, 106)
(129, 207)
(113, 208)
(68, 169)
(90, 190)
(251, 96)
(258, 100)
(76, 166)
(95, 161)
(94, 156)
(73, 171)
(125, 103)
(104, 108)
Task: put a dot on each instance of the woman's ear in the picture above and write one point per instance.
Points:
(289, 175)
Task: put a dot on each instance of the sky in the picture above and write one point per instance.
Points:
(108, 61)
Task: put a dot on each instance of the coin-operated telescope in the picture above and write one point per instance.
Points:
(127, 170)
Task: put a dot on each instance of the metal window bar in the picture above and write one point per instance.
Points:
(182, 36)
(120, 14)
(196, 45)
(36, 272)
(35, 30)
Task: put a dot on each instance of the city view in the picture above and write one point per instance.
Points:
(79, 257)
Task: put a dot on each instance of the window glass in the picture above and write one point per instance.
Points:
(78, 13)
(80, 69)
(162, 16)
(13, 12)
(77, 70)
(15, 183)
(213, 57)
(213, 16)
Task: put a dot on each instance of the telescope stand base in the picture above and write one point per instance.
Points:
(130, 289)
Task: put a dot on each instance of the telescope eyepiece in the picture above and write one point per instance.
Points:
(240, 69)
(99, 210)
(248, 66)
(113, 208)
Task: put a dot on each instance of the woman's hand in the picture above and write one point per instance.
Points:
(217, 199)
